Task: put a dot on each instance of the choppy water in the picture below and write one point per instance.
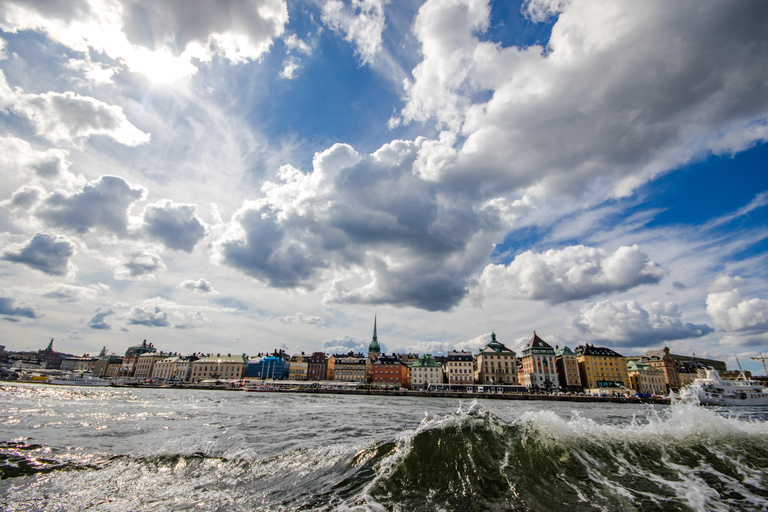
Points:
(111, 449)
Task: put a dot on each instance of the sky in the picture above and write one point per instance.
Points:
(242, 176)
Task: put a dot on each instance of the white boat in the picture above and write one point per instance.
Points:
(713, 390)
(80, 379)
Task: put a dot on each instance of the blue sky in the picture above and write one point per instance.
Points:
(251, 175)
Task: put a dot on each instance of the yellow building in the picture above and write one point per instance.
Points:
(218, 367)
(602, 370)
(496, 364)
(644, 378)
(297, 367)
(349, 368)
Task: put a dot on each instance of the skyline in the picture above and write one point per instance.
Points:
(264, 174)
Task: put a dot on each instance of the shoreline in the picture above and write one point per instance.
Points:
(390, 392)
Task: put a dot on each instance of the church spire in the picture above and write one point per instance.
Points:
(374, 350)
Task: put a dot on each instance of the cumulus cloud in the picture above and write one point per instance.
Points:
(361, 22)
(140, 265)
(149, 315)
(155, 37)
(49, 254)
(69, 116)
(622, 92)
(200, 286)
(631, 324)
(97, 322)
(102, 203)
(24, 198)
(177, 226)
(11, 309)
(366, 225)
(733, 312)
(344, 345)
(576, 272)
(18, 157)
(298, 318)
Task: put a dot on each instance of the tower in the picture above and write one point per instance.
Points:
(374, 351)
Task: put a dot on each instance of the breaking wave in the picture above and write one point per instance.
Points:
(683, 458)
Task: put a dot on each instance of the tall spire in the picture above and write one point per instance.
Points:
(373, 349)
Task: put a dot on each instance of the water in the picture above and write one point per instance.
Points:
(111, 449)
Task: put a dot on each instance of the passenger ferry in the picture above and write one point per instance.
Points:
(713, 390)
(79, 379)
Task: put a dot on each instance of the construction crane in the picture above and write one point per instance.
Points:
(761, 358)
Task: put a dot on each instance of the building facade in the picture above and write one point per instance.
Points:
(218, 367)
(389, 371)
(602, 370)
(460, 368)
(538, 370)
(496, 364)
(426, 372)
(145, 363)
(297, 367)
(350, 368)
(567, 366)
(317, 366)
(645, 379)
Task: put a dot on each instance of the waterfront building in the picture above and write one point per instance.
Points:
(602, 370)
(173, 369)
(272, 367)
(496, 364)
(317, 366)
(49, 358)
(374, 350)
(459, 367)
(78, 364)
(538, 370)
(105, 362)
(350, 367)
(645, 379)
(567, 366)
(132, 356)
(665, 362)
(218, 367)
(425, 372)
(389, 371)
(297, 367)
(145, 363)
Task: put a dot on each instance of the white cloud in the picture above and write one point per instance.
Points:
(631, 324)
(69, 116)
(299, 318)
(140, 265)
(159, 38)
(344, 345)
(201, 286)
(365, 228)
(576, 272)
(733, 312)
(19, 159)
(361, 22)
(623, 92)
(68, 293)
(102, 203)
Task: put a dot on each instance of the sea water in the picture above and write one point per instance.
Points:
(118, 449)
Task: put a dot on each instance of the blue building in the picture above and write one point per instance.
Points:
(270, 367)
